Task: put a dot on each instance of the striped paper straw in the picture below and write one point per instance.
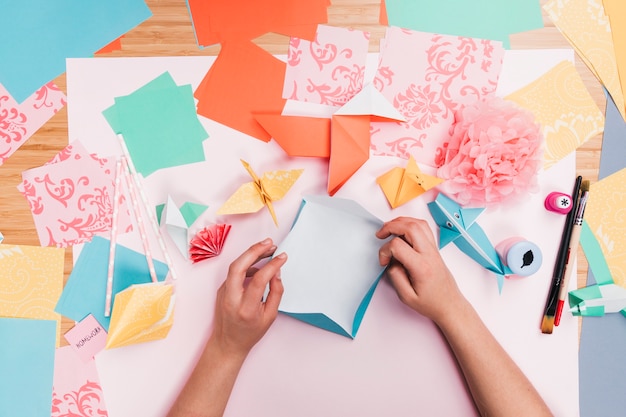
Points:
(117, 193)
(139, 217)
(151, 214)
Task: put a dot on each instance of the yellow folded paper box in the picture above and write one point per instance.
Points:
(401, 185)
(141, 313)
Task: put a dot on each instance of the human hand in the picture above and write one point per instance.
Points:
(241, 315)
(416, 269)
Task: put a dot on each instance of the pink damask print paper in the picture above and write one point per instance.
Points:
(71, 197)
(18, 122)
(77, 391)
(330, 69)
(427, 77)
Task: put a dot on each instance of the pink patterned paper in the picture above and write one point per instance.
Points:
(77, 391)
(328, 70)
(87, 338)
(18, 122)
(71, 197)
(427, 77)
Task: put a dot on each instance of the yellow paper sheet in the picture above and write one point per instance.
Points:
(566, 111)
(616, 10)
(141, 313)
(605, 216)
(586, 26)
(31, 281)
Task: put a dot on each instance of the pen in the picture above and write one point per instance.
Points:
(547, 323)
(573, 245)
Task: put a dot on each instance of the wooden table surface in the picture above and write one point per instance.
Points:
(169, 33)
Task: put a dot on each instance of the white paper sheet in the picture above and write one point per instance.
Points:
(399, 365)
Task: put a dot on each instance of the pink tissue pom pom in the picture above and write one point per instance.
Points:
(493, 155)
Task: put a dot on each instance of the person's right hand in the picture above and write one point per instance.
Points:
(416, 269)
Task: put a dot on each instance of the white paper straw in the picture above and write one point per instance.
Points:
(151, 214)
(117, 193)
(139, 217)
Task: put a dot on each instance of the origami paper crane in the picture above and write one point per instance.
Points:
(252, 196)
(208, 242)
(141, 313)
(178, 221)
(347, 143)
(459, 225)
(401, 185)
(329, 291)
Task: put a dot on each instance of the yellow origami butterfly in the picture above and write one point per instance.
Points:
(252, 196)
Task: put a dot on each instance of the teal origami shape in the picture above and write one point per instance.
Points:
(333, 266)
(459, 225)
(604, 296)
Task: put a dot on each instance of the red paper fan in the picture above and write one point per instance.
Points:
(208, 242)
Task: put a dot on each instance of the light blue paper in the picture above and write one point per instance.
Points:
(85, 290)
(486, 19)
(40, 34)
(26, 366)
(333, 266)
(601, 358)
(459, 225)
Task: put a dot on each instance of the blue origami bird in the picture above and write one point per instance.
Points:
(459, 225)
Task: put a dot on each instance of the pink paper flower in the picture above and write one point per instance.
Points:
(494, 153)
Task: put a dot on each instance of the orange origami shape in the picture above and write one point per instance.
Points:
(401, 185)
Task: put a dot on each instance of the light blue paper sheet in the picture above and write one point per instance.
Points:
(40, 34)
(486, 19)
(26, 366)
(602, 363)
(333, 267)
(85, 290)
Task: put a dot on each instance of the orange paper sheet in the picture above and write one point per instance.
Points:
(226, 20)
(382, 18)
(298, 135)
(116, 45)
(244, 80)
(349, 148)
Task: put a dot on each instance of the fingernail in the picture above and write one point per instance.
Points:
(273, 248)
(281, 255)
(266, 241)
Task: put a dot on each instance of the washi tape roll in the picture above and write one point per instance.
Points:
(558, 202)
(521, 256)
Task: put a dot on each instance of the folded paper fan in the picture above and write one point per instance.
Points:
(141, 313)
(252, 196)
(208, 242)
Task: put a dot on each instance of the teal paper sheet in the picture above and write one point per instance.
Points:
(85, 290)
(486, 19)
(26, 367)
(40, 34)
(159, 125)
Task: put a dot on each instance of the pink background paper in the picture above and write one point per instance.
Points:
(77, 391)
(87, 338)
(426, 77)
(399, 364)
(71, 197)
(18, 122)
(329, 70)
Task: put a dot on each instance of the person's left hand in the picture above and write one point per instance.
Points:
(241, 315)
